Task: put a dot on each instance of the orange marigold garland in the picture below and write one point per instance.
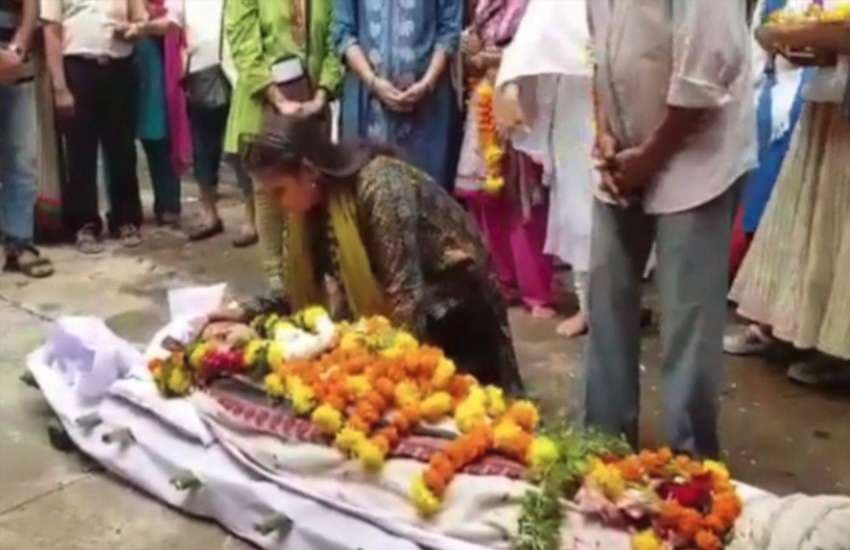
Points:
(488, 139)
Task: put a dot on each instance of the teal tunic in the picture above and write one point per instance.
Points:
(151, 116)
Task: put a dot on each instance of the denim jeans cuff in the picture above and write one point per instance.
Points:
(14, 244)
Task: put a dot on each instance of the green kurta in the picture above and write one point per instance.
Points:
(259, 35)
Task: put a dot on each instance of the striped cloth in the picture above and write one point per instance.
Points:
(251, 413)
(796, 277)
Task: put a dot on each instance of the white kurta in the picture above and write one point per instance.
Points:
(549, 60)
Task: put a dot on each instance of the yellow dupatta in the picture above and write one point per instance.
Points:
(362, 291)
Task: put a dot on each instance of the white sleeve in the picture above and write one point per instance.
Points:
(710, 51)
(51, 10)
(176, 12)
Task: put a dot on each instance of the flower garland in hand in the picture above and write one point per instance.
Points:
(488, 138)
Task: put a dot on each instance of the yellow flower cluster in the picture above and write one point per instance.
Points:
(607, 479)
(646, 540)
(472, 410)
(542, 455)
(814, 14)
(436, 406)
(488, 139)
(425, 501)
(300, 394)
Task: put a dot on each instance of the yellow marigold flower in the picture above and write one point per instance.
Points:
(484, 90)
(471, 411)
(493, 185)
(274, 385)
(718, 470)
(493, 154)
(350, 341)
(542, 454)
(327, 419)
(607, 479)
(424, 500)
(446, 368)
(358, 386)
(196, 358)
(406, 393)
(646, 540)
(393, 352)
(252, 352)
(275, 355)
(436, 406)
(405, 341)
(349, 439)
(477, 395)
(495, 401)
(525, 414)
(179, 382)
(504, 434)
(301, 395)
(312, 316)
(370, 455)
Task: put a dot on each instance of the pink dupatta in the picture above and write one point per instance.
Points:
(179, 133)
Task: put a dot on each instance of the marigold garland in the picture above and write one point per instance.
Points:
(488, 138)
(367, 385)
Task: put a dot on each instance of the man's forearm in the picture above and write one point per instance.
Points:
(29, 20)
(53, 48)
(674, 132)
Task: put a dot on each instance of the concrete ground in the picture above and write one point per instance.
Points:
(779, 436)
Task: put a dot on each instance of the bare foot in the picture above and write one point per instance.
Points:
(574, 326)
(542, 312)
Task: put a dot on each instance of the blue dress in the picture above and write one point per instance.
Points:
(399, 38)
(772, 152)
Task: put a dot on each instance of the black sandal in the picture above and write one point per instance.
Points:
(36, 267)
(245, 240)
(206, 232)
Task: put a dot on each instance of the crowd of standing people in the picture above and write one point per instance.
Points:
(574, 133)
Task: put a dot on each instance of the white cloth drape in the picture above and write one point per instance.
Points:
(549, 59)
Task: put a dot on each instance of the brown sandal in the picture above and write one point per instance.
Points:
(29, 261)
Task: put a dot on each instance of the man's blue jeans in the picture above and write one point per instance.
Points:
(18, 174)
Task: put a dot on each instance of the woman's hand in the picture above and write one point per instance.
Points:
(507, 109)
(282, 105)
(389, 95)
(416, 93)
(470, 43)
(315, 106)
(130, 32)
(232, 314)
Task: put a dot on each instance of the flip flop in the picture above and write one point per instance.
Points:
(206, 232)
(35, 266)
(245, 240)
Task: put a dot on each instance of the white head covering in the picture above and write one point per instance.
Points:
(553, 38)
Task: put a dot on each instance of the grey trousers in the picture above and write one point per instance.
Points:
(692, 277)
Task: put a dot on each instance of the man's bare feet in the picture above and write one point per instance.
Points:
(574, 326)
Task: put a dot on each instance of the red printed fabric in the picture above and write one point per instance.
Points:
(267, 418)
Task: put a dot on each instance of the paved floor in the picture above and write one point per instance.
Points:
(777, 435)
